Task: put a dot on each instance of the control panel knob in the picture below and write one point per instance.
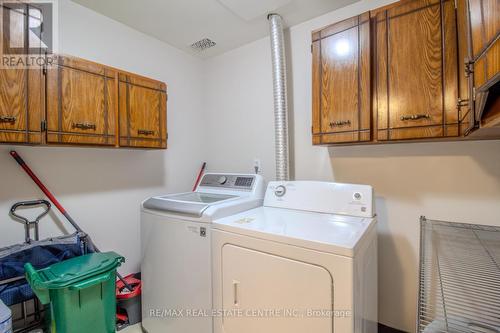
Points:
(280, 191)
(222, 180)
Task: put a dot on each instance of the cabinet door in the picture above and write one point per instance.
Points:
(291, 288)
(484, 24)
(486, 68)
(484, 41)
(21, 85)
(465, 83)
(143, 111)
(81, 103)
(341, 82)
(416, 70)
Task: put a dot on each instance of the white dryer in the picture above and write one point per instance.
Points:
(304, 262)
(176, 256)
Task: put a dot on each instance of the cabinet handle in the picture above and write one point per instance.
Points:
(415, 117)
(145, 132)
(340, 123)
(235, 291)
(84, 126)
(462, 102)
(8, 119)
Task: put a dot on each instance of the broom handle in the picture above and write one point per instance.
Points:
(44, 189)
(56, 203)
(199, 176)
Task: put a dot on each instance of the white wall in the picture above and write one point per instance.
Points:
(458, 181)
(102, 188)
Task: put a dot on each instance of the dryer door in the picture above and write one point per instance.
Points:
(267, 294)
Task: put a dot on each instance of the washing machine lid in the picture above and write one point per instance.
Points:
(332, 233)
(189, 203)
(217, 195)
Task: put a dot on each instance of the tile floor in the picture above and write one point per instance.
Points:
(132, 329)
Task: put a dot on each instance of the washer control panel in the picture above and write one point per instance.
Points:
(245, 182)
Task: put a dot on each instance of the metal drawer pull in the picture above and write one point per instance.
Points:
(415, 117)
(145, 132)
(84, 126)
(340, 123)
(8, 119)
(462, 102)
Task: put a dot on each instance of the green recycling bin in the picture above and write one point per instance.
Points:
(81, 292)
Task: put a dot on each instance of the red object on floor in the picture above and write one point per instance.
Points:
(121, 317)
(133, 282)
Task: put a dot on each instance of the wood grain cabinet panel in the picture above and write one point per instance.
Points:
(484, 24)
(81, 103)
(416, 79)
(484, 56)
(341, 82)
(21, 87)
(143, 109)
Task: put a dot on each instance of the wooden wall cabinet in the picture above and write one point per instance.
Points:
(416, 83)
(72, 101)
(143, 109)
(434, 66)
(81, 103)
(341, 82)
(21, 88)
(93, 104)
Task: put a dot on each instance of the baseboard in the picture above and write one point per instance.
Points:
(386, 329)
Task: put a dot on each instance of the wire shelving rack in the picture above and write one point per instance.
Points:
(459, 289)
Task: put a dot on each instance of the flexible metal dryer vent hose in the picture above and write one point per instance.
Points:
(280, 96)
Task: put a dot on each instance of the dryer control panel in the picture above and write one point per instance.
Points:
(322, 197)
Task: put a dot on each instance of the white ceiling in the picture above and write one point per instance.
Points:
(230, 23)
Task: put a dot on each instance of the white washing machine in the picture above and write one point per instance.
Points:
(304, 262)
(176, 256)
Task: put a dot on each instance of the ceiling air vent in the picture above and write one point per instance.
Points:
(203, 44)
